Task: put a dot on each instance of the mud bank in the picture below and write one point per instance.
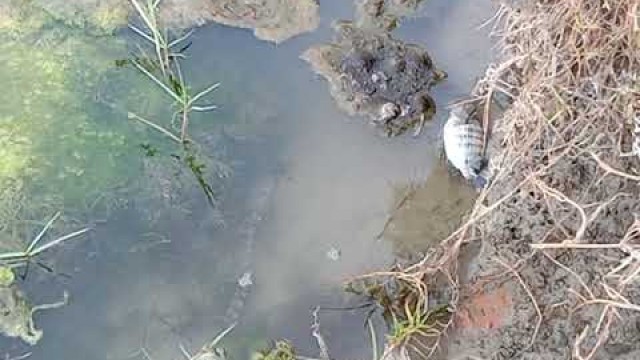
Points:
(545, 265)
(272, 20)
(556, 277)
(375, 75)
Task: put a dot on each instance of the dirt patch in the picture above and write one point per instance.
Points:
(272, 20)
(383, 14)
(372, 74)
(485, 311)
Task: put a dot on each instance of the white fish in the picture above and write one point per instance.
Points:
(463, 138)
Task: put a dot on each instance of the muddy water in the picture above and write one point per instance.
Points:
(311, 190)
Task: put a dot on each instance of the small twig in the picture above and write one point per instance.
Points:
(610, 170)
(533, 301)
(576, 246)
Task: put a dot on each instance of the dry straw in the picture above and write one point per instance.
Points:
(571, 70)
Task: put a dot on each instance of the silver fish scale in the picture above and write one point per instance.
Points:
(463, 139)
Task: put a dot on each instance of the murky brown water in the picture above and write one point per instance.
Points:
(331, 183)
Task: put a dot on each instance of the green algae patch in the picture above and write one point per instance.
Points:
(7, 277)
(96, 16)
(20, 17)
(58, 140)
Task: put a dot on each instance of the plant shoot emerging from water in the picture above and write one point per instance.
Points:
(163, 69)
(22, 258)
(170, 78)
(415, 325)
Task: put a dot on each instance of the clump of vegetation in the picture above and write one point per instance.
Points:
(7, 277)
(416, 320)
(13, 259)
(279, 350)
(163, 69)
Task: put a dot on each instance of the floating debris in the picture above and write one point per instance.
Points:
(334, 254)
(246, 279)
(370, 73)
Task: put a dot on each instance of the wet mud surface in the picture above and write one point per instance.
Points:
(425, 213)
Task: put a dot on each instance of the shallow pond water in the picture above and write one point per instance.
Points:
(311, 188)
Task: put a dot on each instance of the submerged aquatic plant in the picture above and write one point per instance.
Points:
(165, 71)
(7, 277)
(12, 259)
(171, 79)
(59, 147)
(280, 350)
(415, 325)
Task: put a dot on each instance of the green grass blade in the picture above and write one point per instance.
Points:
(154, 126)
(9, 256)
(204, 92)
(181, 39)
(142, 14)
(221, 336)
(141, 33)
(158, 82)
(58, 241)
(41, 234)
(204, 108)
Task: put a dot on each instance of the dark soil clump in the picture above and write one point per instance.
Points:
(370, 73)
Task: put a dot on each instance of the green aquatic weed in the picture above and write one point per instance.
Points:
(7, 277)
(19, 258)
(280, 350)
